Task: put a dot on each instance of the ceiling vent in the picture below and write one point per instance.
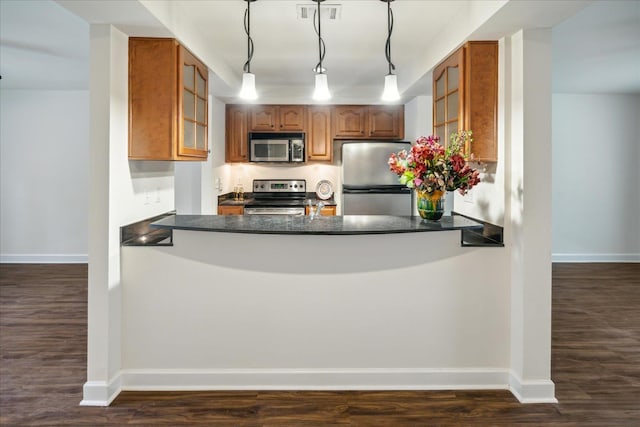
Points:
(328, 11)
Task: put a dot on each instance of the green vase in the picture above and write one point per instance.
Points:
(430, 205)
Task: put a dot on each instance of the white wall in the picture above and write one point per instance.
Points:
(596, 178)
(418, 118)
(44, 167)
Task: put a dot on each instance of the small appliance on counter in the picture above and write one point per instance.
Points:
(277, 197)
(276, 147)
(368, 186)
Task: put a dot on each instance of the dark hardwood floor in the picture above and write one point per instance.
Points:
(595, 363)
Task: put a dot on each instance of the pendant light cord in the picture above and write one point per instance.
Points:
(390, 30)
(321, 46)
(247, 29)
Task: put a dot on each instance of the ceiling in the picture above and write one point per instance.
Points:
(45, 44)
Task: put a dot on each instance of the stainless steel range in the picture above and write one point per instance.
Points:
(277, 197)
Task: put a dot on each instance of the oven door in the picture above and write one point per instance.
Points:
(274, 211)
(269, 150)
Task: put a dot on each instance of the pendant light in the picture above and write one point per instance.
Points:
(390, 92)
(321, 92)
(248, 90)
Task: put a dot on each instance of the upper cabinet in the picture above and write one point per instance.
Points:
(168, 117)
(386, 121)
(236, 134)
(318, 144)
(368, 121)
(350, 121)
(321, 124)
(465, 97)
(277, 118)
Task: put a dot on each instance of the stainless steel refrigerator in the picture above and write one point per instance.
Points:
(368, 186)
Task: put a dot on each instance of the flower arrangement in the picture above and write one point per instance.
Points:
(433, 169)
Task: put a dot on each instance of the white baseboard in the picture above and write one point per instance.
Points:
(101, 393)
(538, 391)
(44, 259)
(595, 257)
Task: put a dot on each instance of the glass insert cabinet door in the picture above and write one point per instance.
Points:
(194, 106)
(447, 90)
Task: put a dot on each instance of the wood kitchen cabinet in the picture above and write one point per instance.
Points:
(230, 210)
(321, 123)
(168, 117)
(350, 121)
(236, 134)
(465, 97)
(386, 121)
(368, 121)
(277, 118)
(319, 144)
(326, 210)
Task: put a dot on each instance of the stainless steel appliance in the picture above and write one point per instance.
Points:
(368, 186)
(276, 147)
(277, 197)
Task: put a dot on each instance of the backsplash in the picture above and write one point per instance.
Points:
(241, 173)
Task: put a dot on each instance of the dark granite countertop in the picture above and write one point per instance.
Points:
(327, 225)
(140, 233)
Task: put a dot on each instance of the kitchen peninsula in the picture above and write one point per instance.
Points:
(389, 307)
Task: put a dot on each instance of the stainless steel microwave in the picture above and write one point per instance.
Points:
(276, 147)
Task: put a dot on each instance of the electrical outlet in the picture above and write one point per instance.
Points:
(468, 198)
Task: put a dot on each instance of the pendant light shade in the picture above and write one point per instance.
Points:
(321, 92)
(390, 93)
(248, 90)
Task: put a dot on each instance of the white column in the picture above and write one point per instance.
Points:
(529, 220)
(108, 133)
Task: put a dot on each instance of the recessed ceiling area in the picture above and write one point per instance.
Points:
(42, 46)
(45, 44)
(597, 50)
